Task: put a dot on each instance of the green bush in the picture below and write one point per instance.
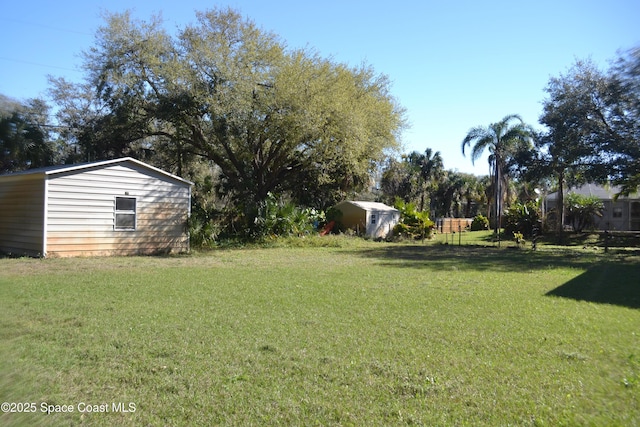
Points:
(519, 238)
(582, 210)
(277, 218)
(521, 218)
(480, 222)
(206, 224)
(204, 232)
(413, 224)
(402, 230)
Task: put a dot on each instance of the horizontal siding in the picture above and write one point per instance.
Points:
(93, 179)
(81, 213)
(70, 193)
(63, 244)
(21, 214)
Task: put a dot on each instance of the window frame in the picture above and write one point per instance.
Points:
(617, 212)
(125, 212)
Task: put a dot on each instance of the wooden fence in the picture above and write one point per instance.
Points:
(450, 225)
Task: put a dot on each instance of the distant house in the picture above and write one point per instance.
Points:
(370, 219)
(622, 214)
(112, 207)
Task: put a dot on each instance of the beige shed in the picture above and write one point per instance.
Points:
(112, 207)
(371, 219)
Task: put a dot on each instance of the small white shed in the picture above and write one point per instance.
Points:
(112, 207)
(371, 219)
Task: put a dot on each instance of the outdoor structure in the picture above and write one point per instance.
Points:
(111, 207)
(453, 225)
(622, 214)
(371, 219)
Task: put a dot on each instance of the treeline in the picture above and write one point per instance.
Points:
(223, 103)
(264, 130)
(592, 134)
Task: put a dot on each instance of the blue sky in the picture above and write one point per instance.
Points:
(454, 65)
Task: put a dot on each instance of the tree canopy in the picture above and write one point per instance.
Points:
(624, 120)
(592, 132)
(269, 118)
(228, 105)
(24, 135)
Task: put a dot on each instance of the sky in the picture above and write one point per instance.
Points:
(453, 65)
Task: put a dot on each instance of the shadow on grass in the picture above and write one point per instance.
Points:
(607, 283)
(608, 279)
(445, 257)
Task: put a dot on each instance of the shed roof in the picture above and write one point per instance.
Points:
(370, 206)
(59, 169)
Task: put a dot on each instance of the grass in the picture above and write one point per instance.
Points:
(596, 241)
(326, 332)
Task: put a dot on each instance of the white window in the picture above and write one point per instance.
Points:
(373, 218)
(125, 214)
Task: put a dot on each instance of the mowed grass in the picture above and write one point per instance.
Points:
(356, 333)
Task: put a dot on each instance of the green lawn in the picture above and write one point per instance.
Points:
(354, 333)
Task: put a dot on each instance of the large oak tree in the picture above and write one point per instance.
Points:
(593, 132)
(271, 119)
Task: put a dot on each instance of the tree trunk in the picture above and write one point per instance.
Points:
(498, 201)
(560, 203)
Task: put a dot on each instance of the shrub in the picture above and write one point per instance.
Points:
(582, 210)
(412, 223)
(521, 218)
(402, 230)
(276, 218)
(204, 232)
(480, 222)
(206, 224)
(519, 238)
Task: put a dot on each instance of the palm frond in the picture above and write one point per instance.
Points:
(482, 144)
(509, 117)
(477, 132)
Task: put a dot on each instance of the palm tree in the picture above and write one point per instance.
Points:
(502, 139)
(429, 168)
(470, 192)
